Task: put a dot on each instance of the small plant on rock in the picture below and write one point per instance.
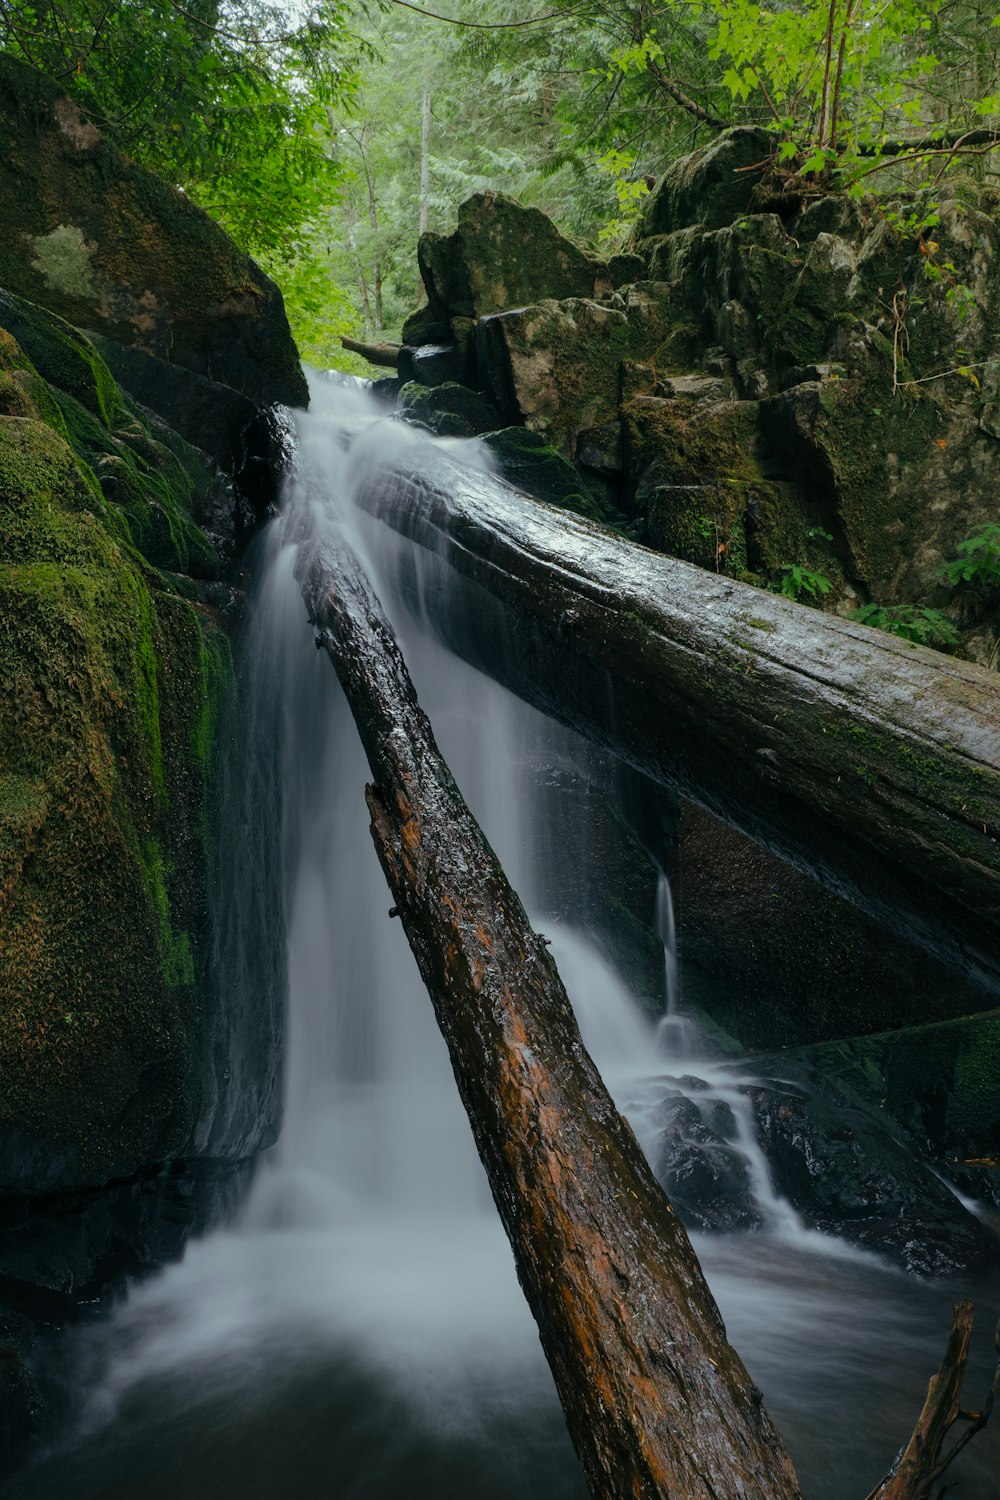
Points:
(798, 582)
(977, 566)
(913, 622)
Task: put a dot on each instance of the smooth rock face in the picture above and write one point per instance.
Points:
(111, 248)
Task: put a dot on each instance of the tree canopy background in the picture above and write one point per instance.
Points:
(324, 133)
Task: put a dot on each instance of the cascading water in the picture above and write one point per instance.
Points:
(360, 1333)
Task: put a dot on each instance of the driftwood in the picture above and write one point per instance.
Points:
(867, 761)
(656, 1401)
(375, 354)
(923, 1461)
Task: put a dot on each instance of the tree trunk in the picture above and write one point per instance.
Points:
(656, 1401)
(376, 354)
(922, 1463)
(870, 762)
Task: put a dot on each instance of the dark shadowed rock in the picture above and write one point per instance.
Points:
(848, 1170)
(500, 256)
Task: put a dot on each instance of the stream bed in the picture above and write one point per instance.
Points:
(359, 1333)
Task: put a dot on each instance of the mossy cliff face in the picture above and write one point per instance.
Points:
(816, 389)
(111, 248)
(114, 685)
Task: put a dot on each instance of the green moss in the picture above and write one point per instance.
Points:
(531, 464)
(63, 356)
(111, 694)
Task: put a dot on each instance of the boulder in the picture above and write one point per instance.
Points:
(111, 248)
(848, 1170)
(555, 366)
(778, 961)
(450, 409)
(531, 464)
(500, 256)
(711, 186)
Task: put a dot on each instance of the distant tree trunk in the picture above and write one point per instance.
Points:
(352, 241)
(656, 1401)
(425, 175)
(362, 140)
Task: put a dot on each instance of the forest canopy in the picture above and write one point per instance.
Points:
(325, 134)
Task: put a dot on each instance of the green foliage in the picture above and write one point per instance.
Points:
(629, 191)
(977, 565)
(914, 622)
(227, 98)
(801, 583)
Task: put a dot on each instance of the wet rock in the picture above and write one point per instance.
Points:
(433, 364)
(109, 247)
(450, 409)
(705, 1176)
(850, 1172)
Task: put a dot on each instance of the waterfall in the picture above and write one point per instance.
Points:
(360, 1332)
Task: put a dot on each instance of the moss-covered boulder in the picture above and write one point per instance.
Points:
(114, 684)
(450, 409)
(110, 247)
(556, 366)
(531, 464)
(501, 255)
(99, 805)
(710, 186)
(163, 491)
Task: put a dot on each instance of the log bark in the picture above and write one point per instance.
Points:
(656, 1401)
(923, 1461)
(383, 354)
(867, 761)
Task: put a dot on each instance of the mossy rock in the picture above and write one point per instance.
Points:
(556, 366)
(63, 356)
(450, 409)
(501, 255)
(102, 786)
(159, 485)
(710, 186)
(108, 246)
(531, 464)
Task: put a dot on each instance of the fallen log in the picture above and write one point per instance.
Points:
(923, 1461)
(656, 1401)
(376, 354)
(867, 761)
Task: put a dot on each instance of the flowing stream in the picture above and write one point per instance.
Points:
(359, 1333)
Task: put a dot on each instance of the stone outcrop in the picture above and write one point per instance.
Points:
(778, 396)
(130, 1110)
(111, 248)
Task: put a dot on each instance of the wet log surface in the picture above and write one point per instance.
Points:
(656, 1401)
(869, 762)
(923, 1461)
(383, 354)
